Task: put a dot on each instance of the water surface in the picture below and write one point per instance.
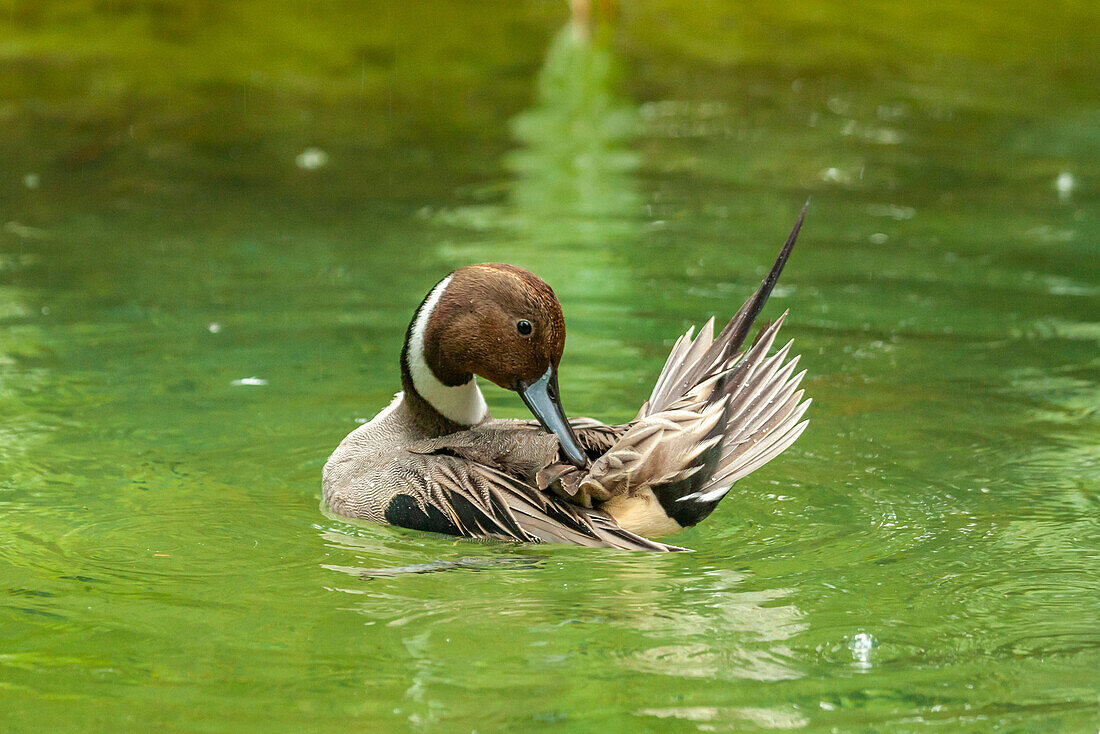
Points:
(194, 195)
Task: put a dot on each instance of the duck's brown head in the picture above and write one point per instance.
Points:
(497, 321)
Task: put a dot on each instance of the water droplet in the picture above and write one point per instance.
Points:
(836, 175)
(861, 646)
(1064, 185)
(311, 159)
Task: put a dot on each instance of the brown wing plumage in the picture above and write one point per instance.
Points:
(459, 497)
(594, 436)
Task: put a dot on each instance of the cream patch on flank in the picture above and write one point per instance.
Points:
(463, 404)
(641, 513)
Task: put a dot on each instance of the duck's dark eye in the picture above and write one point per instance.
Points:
(523, 326)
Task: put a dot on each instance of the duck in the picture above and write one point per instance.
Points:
(435, 460)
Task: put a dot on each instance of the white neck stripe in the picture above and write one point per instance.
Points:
(463, 404)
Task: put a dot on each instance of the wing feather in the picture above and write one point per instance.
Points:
(482, 501)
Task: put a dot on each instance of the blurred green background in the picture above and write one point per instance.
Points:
(196, 194)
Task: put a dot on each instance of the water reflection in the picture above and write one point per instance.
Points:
(734, 717)
(573, 200)
(574, 170)
(642, 591)
(646, 618)
(713, 607)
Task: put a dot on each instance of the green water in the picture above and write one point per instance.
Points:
(926, 557)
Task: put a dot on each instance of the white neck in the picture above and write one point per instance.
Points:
(463, 404)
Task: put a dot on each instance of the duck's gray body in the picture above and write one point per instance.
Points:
(477, 482)
(390, 455)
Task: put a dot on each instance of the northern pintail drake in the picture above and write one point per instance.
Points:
(435, 460)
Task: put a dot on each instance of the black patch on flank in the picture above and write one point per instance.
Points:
(687, 513)
(406, 512)
(470, 515)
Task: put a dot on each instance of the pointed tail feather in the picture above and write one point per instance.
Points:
(738, 327)
(693, 360)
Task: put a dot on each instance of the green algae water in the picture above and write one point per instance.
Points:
(218, 218)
